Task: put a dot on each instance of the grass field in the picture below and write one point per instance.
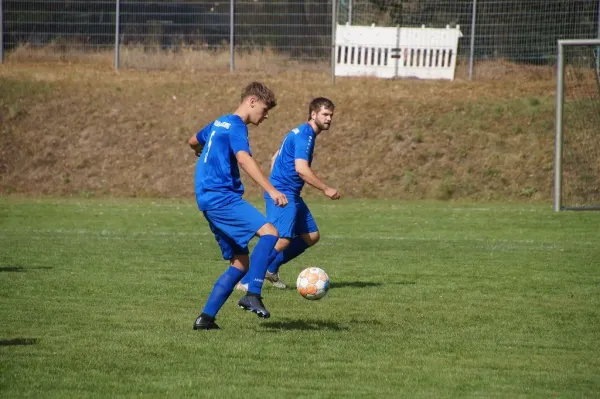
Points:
(98, 297)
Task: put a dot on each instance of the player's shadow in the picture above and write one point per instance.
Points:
(369, 323)
(20, 269)
(366, 284)
(404, 282)
(18, 341)
(305, 325)
(354, 284)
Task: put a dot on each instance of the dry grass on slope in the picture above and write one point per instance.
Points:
(72, 129)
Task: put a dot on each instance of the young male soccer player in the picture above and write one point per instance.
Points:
(221, 146)
(290, 169)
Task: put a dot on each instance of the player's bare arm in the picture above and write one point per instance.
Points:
(273, 159)
(250, 166)
(307, 174)
(196, 146)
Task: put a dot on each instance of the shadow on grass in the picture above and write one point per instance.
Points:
(306, 325)
(18, 341)
(368, 323)
(366, 284)
(19, 269)
(354, 284)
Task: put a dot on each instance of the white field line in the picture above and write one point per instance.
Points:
(440, 239)
(491, 243)
(120, 234)
(191, 206)
(104, 232)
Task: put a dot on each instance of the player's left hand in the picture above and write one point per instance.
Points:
(279, 198)
(332, 193)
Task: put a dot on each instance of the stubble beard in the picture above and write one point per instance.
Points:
(324, 126)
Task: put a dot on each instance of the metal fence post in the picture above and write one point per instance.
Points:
(349, 12)
(333, 28)
(117, 33)
(1, 32)
(472, 46)
(558, 123)
(231, 35)
(397, 54)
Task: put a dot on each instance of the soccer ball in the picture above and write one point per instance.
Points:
(312, 283)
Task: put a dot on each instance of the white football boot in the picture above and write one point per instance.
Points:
(274, 279)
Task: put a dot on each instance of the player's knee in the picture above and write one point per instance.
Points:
(282, 244)
(268, 229)
(240, 262)
(312, 238)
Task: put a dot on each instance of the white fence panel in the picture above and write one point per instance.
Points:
(384, 52)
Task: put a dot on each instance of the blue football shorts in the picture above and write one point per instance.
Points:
(234, 225)
(293, 219)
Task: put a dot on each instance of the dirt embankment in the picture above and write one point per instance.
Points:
(69, 129)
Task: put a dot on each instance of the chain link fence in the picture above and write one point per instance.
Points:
(258, 34)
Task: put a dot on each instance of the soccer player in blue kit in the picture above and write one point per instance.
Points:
(290, 169)
(221, 146)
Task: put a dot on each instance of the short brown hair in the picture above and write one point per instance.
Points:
(261, 92)
(318, 103)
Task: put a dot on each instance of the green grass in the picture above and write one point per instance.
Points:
(98, 297)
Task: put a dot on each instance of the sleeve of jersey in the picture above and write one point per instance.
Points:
(203, 134)
(238, 139)
(302, 147)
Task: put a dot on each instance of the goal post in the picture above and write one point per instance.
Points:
(577, 124)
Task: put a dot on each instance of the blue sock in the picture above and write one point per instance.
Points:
(222, 289)
(246, 279)
(296, 247)
(272, 255)
(259, 261)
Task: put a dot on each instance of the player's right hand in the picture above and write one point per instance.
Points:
(279, 198)
(332, 193)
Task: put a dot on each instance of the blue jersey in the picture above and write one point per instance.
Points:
(298, 144)
(217, 181)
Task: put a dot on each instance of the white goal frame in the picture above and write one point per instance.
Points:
(560, 97)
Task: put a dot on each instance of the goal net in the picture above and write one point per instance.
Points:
(577, 155)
